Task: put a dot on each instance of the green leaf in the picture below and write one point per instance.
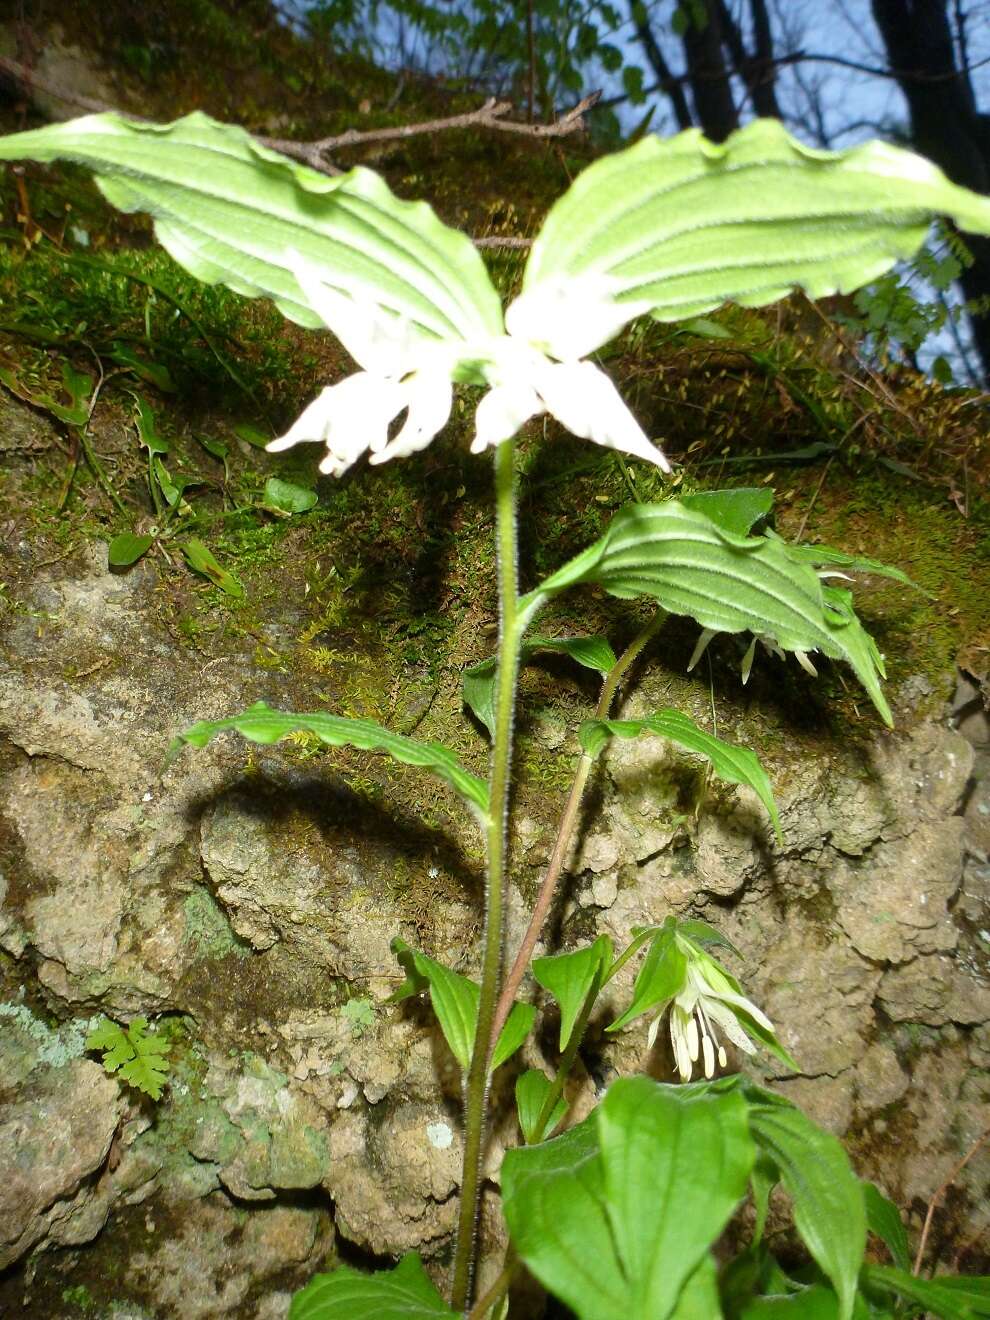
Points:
(701, 932)
(654, 1144)
(553, 1198)
(232, 211)
(659, 979)
(285, 498)
(737, 765)
(727, 582)
(616, 1215)
(884, 1219)
(972, 1289)
(699, 1299)
(735, 510)
(823, 556)
(814, 1303)
(153, 372)
(570, 977)
(532, 1087)
(455, 1000)
(251, 435)
(677, 227)
(403, 1293)
(829, 1209)
(705, 328)
(478, 681)
(261, 724)
(147, 427)
(127, 548)
(947, 1302)
(138, 1056)
(202, 560)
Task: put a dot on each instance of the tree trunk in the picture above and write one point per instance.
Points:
(946, 125)
(708, 75)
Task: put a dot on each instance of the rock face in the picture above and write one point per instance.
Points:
(255, 908)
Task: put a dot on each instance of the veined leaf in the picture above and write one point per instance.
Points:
(403, 1293)
(738, 765)
(455, 1001)
(727, 582)
(829, 1209)
(478, 681)
(613, 1216)
(677, 227)
(734, 510)
(261, 724)
(232, 211)
(284, 497)
(570, 976)
(138, 1056)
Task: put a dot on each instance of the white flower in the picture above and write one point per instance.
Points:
(705, 1002)
(407, 371)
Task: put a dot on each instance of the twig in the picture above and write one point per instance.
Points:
(940, 1192)
(490, 115)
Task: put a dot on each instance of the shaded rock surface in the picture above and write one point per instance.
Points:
(255, 907)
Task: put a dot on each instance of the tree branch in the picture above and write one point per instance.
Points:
(490, 115)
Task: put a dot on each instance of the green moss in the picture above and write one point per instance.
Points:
(207, 927)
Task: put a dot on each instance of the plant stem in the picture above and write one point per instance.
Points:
(476, 1090)
(565, 830)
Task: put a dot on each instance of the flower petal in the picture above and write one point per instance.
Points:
(502, 412)
(569, 316)
(349, 418)
(428, 396)
(377, 339)
(583, 399)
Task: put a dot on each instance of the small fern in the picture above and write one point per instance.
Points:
(138, 1057)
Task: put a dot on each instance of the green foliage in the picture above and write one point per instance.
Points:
(614, 1216)
(261, 724)
(572, 977)
(727, 582)
(136, 1055)
(360, 1014)
(478, 681)
(455, 1001)
(532, 1090)
(403, 1293)
(737, 765)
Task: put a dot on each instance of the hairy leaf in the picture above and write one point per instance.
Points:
(677, 227)
(261, 724)
(737, 765)
(726, 581)
(232, 211)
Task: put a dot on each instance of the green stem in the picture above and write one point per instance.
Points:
(567, 1058)
(476, 1090)
(565, 831)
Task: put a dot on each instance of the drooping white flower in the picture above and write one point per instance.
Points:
(406, 370)
(705, 1005)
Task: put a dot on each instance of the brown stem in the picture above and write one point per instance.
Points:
(565, 830)
(940, 1192)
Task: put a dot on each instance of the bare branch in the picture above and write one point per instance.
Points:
(490, 115)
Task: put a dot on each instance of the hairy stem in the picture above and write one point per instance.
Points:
(476, 1091)
(565, 831)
